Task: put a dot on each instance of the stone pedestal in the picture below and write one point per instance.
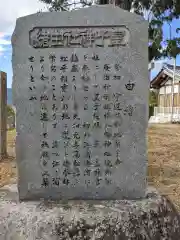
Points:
(153, 218)
(3, 115)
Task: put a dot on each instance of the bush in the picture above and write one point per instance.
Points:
(151, 111)
(10, 111)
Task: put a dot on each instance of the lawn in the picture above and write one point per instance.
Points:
(163, 157)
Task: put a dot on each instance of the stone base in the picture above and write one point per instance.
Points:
(153, 218)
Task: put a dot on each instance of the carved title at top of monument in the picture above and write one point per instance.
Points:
(61, 37)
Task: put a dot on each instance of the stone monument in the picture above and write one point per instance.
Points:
(80, 89)
(3, 115)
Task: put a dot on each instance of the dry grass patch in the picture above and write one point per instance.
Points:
(164, 159)
(7, 166)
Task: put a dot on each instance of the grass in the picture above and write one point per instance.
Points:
(163, 157)
(164, 160)
(7, 166)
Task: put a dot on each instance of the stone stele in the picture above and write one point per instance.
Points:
(80, 88)
(151, 218)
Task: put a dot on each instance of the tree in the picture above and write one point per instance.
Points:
(153, 102)
(65, 5)
(153, 99)
(156, 12)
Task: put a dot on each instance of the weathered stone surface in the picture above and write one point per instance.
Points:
(152, 218)
(112, 149)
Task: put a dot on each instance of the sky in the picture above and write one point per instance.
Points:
(19, 8)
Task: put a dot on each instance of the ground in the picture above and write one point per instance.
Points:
(7, 166)
(163, 159)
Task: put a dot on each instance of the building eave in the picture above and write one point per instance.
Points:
(159, 79)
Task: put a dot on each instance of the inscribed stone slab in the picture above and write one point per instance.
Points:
(80, 88)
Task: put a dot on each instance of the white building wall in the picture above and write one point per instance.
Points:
(162, 90)
(169, 82)
(168, 89)
(176, 89)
